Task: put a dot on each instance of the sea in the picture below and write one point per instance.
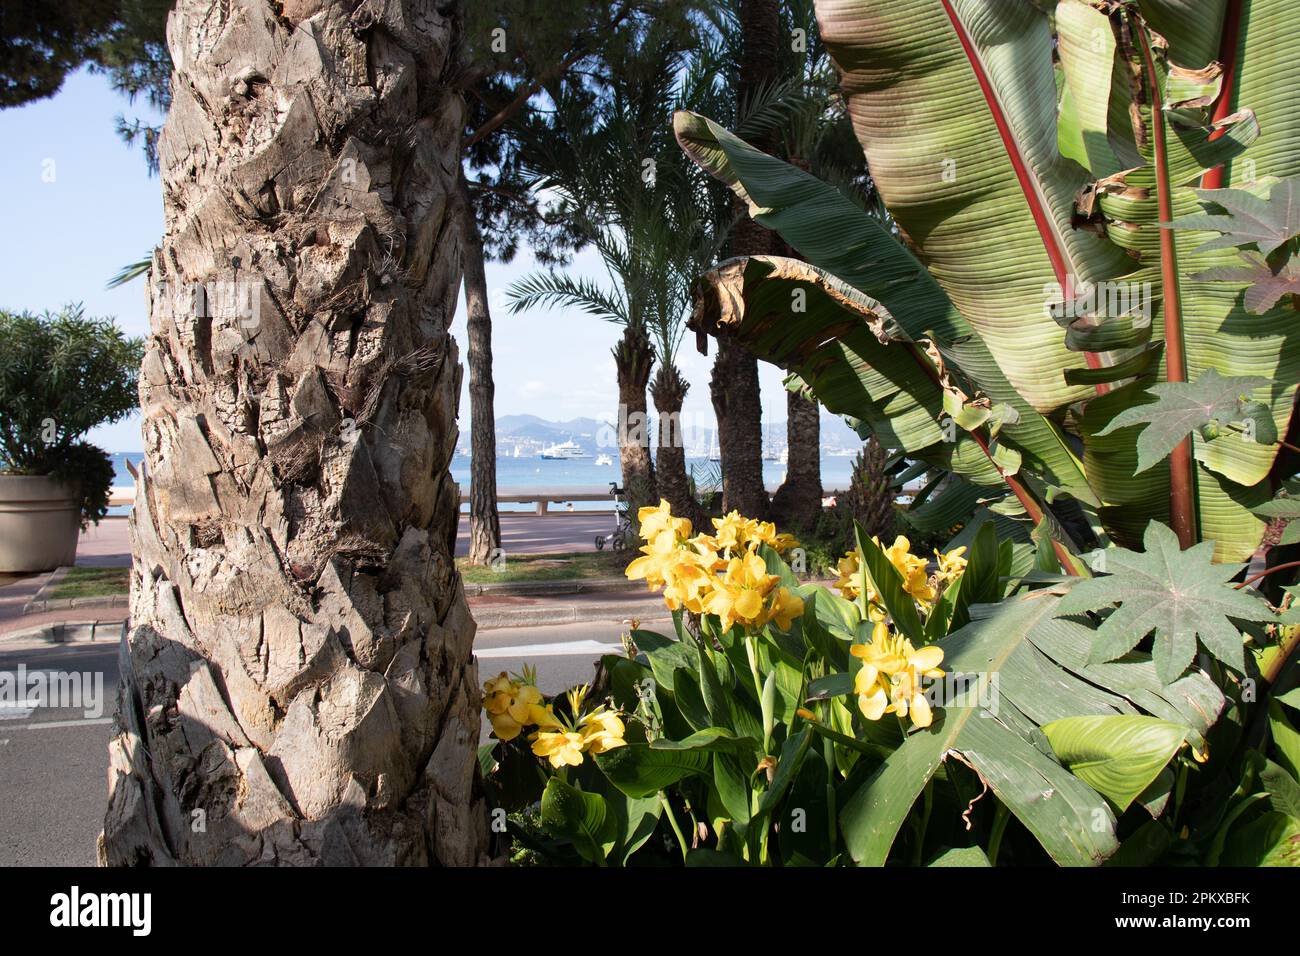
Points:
(522, 475)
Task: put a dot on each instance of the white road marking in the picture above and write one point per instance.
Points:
(558, 649)
(52, 724)
(18, 709)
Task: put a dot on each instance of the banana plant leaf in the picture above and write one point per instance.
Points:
(1033, 671)
(1033, 267)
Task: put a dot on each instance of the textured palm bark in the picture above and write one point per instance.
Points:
(633, 360)
(484, 521)
(298, 685)
(738, 407)
(734, 386)
(669, 390)
(798, 502)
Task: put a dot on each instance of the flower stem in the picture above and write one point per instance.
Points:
(672, 821)
(828, 754)
(751, 652)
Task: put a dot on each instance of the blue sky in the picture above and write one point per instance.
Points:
(81, 204)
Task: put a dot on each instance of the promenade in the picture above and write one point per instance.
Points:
(107, 545)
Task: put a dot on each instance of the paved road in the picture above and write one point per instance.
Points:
(53, 764)
(53, 761)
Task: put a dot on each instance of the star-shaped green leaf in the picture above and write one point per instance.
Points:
(1267, 284)
(1183, 407)
(1268, 223)
(1180, 595)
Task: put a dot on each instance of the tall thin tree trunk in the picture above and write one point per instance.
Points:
(734, 387)
(298, 685)
(669, 390)
(484, 521)
(798, 502)
(633, 359)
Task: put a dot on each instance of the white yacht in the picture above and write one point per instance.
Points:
(565, 451)
(604, 460)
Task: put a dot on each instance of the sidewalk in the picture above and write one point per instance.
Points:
(107, 545)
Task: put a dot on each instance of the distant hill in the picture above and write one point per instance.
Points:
(531, 432)
(539, 429)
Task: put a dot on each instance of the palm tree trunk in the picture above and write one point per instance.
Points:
(734, 387)
(633, 359)
(798, 502)
(298, 685)
(737, 405)
(669, 392)
(484, 521)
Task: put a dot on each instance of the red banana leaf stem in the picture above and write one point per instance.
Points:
(1042, 216)
(1182, 477)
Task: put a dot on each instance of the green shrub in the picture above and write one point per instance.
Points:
(62, 374)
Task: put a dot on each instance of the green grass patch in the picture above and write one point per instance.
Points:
(91, 582)
(569, 566)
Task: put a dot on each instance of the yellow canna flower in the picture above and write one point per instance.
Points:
(561, 748)
(951, 565)
(786, 606)
(601, 730)
(512, 705)
(889, 680)
(872, 688)
(689, 583)
(762, 532)
(544, 717)
(655, 520)
(740, 594)
(657, 556)
(733, 531)
(850, 571)
(911, 567)
(784, 542)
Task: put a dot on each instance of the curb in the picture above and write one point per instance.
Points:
(546, 588)
(39, 604)
(98, 632)
(491, 618)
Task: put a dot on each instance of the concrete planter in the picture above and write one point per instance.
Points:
(40, 519)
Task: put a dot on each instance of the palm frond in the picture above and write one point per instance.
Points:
(130, 271)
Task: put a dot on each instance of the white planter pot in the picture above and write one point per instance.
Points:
(40, 520)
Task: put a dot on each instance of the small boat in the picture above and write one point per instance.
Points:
(604, 460)
(565, 451)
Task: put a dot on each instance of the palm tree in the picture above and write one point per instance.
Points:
(298, 685)
(656, 221)
(734, 388)
(498, 203)
(819, 139)
(610, 159)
